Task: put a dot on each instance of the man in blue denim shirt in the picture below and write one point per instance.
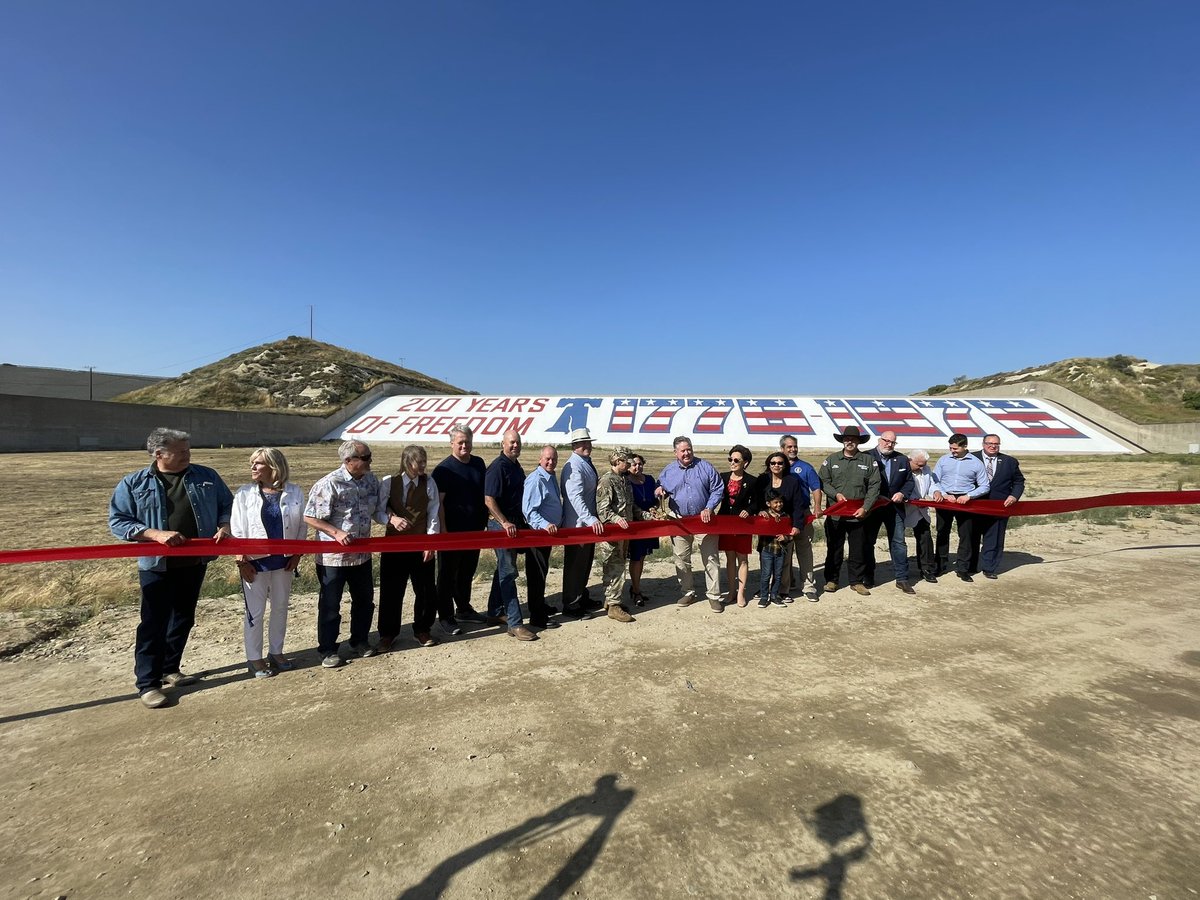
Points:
(170, 501)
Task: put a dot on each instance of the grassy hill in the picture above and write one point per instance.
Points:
(293, 375)
(1144, 392)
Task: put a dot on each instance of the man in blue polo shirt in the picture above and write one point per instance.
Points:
(810, 491)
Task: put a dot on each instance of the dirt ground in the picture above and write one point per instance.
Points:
(1036, 736)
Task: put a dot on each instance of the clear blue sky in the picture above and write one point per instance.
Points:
(603, 197)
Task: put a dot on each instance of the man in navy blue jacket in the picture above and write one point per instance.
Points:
(1008, 484)
(896, 486)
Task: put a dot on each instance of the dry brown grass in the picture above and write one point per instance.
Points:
(61, 499)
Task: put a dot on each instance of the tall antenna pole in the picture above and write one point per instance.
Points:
(310, 321)
(90, 369)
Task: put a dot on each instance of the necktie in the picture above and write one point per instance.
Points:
(991, 467)
(411, 496)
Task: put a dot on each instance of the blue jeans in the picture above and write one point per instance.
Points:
(503, 599)
(770, 570)
(329, 605)
(168, 613)
(890, 519)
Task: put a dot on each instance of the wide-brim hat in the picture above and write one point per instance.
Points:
(852, 432)
(579, 435)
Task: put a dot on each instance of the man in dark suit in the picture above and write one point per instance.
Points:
(896, 486)
(1007, 484)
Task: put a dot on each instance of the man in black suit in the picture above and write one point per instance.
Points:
(896, 486)
(1008, 484)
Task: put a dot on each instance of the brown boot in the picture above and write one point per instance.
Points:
(620, 614)
(521, 633)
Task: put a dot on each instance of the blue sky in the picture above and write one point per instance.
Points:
(609, 198)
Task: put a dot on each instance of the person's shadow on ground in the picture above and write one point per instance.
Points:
(841, 825)
(605, 803)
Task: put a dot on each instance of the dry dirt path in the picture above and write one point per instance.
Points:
(1038, 736)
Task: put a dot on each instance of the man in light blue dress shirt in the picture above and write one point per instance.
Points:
(579, 511)
(961, 478)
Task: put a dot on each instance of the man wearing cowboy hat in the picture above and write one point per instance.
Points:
(849, 474)
(579, 511)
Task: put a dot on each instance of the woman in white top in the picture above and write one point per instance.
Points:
(269, 507)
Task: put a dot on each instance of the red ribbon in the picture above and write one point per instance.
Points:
(455, 540)
(490, 540)
(1039, 507)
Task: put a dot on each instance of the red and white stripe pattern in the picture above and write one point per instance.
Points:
(1024, 419)
(712, 419)
(660, 420)
(895, 415)
(774, 416)
(840, 415)
(957, 416)
(621, 420)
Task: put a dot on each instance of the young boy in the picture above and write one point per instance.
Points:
(772, 551)
(615, 506)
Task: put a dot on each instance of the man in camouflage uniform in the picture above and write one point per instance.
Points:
(615, 506)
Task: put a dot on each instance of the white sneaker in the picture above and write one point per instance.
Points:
(153, 699)
(332, 661)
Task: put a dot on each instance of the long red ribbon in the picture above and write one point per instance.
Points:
(490, 540)
(1040, 507)
(457, 540)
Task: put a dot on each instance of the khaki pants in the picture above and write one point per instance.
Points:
(709, 558)
(804, 560)
(613, 558)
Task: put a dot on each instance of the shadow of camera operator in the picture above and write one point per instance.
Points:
(605, 803)
(841, 825)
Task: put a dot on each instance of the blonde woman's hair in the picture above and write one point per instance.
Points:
(278, 463)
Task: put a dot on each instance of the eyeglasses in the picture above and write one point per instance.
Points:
(365, 459)
(991, 443)
(886, 441)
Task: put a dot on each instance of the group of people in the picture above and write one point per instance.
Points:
(172, 500)
(885, 473)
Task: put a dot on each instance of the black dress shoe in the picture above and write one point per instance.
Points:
(963, 576)
(546, 624)
(932, 579)
(905, 586)
(990, 575)
(576, 612)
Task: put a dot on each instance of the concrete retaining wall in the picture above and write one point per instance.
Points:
(71, 384)
(46, 424)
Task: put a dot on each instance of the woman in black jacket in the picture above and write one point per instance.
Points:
(778, 475)
(738, 489)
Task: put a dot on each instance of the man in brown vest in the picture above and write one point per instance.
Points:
(413, 496)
